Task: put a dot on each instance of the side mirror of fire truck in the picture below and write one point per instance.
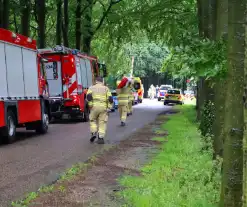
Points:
(43, 60)
(104, 70)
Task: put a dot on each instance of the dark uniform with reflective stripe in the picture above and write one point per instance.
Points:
(99, 100)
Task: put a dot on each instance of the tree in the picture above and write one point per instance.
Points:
(78, 14)
(232, 179)
(66, 23)
(220, 89)
(25, 6)
(5, 13)
(91, 25)
(41, 12)
(59, 23)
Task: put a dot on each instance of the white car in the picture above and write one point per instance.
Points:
(162, 91)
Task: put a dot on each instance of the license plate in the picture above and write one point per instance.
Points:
(173, 97)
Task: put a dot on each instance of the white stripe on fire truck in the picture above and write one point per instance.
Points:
(73, 79)
(74, 91)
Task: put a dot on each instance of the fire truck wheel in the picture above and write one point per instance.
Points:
(8, 133)
(42, 127)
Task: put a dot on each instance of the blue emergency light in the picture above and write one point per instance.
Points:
(75, 52)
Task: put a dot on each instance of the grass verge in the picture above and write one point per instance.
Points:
(182, 174)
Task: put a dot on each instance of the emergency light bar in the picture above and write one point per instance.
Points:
(58, 48)
(75, 52)
(29, 40)
(14, 35)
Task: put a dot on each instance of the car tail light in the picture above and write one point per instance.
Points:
(166, 95)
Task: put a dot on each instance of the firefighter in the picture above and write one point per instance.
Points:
(100, 101)
(123, 100)
(130, 103)
(151, 92)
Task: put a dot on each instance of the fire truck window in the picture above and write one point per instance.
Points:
(94, 68)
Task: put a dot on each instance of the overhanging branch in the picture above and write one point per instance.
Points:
(105, 13)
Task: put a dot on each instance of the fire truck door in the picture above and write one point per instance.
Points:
(54, 78)
(89, 73)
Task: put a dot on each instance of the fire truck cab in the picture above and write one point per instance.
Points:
(69, 74)
(21, 101)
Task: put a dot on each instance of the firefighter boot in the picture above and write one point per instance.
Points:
(100, 140)
(122, 123)
(93, 136)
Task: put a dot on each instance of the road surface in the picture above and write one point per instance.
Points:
(37, 160)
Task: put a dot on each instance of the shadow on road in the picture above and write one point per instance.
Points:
(22, 135)
(65, 121)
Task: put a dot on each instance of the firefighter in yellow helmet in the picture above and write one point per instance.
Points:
(99, 100)
(123, 100)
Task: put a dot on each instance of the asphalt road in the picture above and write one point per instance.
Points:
(37, 160)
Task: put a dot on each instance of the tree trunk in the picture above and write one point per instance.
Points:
(66, 23)
(212, 19)
(232, 179)
(203, 15)
(87, 27)
(6, 14)
(25, 17)
(1, 13)
(41, 10)
(59, 23)
(78, 14)
(245, 122)
(205, 18)
(220, 89)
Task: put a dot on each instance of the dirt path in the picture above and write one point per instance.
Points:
(97, 186)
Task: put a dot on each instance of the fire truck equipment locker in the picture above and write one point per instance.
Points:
(20, 101)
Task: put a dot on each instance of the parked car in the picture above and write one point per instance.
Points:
(174, 96)
(135, 94)
(115, 101)
(162, 91)
(189, 94)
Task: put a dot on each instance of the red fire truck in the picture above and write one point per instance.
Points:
(69, 74)
(22, 103)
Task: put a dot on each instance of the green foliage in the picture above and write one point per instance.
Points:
(201, 58)
(148, 56)
(181, 174)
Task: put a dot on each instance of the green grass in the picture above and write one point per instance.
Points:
(67, 175)
(181, 174)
